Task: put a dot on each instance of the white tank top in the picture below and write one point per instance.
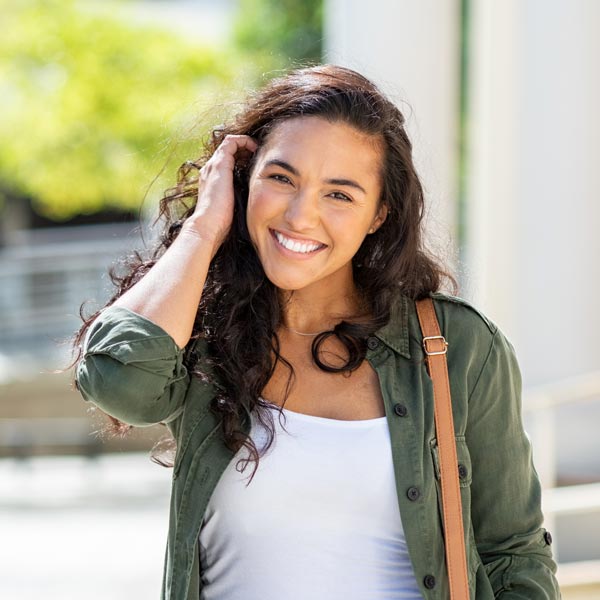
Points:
(319, 520)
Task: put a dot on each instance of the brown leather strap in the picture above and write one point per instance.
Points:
(435, 347)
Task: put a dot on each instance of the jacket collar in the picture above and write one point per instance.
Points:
(395, 332)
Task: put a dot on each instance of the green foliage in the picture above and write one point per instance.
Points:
(284, 31)
(89, 103)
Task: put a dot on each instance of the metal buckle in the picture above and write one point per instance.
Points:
(435, 337)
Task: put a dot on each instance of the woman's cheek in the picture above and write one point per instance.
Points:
(258, 214)
(264, 205)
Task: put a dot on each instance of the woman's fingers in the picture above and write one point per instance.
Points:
(231, 142)
(231, 148)
(234, 144)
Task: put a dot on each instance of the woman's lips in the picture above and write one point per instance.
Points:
(291, 236)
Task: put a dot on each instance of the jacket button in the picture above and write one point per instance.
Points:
(429, 581)
(413, 494)
(548, 538)
(372, 343)
(400, 410)
(462, 471)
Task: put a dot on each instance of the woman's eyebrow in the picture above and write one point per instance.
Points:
(348, 183)
(281, 163)
(284, 165)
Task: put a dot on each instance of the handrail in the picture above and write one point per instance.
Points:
(577, 388)
(540, 402)
(572, 499)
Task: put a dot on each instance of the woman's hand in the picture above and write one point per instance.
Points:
(213, 214)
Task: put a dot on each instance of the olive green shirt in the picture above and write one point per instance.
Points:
(133, 370)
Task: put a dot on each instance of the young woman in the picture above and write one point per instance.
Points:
(284, 286)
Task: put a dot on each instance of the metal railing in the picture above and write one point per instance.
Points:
(540, 404)
(43, 285)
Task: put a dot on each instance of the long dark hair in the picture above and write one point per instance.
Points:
(240, 308)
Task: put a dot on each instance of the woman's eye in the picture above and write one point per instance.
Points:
(280, 178)
(340, 196)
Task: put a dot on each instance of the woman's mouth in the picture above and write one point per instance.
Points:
(291, 247)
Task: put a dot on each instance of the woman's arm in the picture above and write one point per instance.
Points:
(169, 294)
(132, 364)
(506, 492)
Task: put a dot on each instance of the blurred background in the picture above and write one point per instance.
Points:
(100, 101)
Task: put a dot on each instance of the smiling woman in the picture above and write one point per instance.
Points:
(286, 283)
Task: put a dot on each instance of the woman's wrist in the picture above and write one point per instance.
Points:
(195, 228)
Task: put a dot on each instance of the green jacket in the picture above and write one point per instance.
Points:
(133, 370)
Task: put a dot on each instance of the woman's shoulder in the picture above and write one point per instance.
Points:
(469, 327)
(478, 344)
(460, 312)
(462, 323)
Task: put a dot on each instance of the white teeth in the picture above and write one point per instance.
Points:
(296, 246)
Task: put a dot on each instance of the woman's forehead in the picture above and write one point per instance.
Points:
(314, 141)
(316, 126)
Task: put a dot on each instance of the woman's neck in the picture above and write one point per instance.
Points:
(306, 312)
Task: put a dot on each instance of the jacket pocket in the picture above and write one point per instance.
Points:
(464, 460)
(464, 480)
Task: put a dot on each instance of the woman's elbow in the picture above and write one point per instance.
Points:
(135, 397)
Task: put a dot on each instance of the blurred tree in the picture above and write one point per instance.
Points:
(283, 31)
(89, 103)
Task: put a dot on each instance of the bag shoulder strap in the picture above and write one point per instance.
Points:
(435, 347)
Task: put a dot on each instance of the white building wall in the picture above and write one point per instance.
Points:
(534, 179)
(531, 254)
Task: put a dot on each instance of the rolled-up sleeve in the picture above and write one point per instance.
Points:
(506, 492)
(132, 369)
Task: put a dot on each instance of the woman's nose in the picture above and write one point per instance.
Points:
(302, 212)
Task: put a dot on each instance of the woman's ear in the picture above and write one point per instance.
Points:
(379, 219)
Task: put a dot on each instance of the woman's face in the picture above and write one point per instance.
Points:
(313, 197)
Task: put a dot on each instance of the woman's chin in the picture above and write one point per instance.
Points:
(298, 277)
(287, 284)
(286, 281)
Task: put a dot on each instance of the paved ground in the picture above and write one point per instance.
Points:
(75, 528)
(94, 529)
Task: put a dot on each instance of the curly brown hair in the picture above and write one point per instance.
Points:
(240, 309)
